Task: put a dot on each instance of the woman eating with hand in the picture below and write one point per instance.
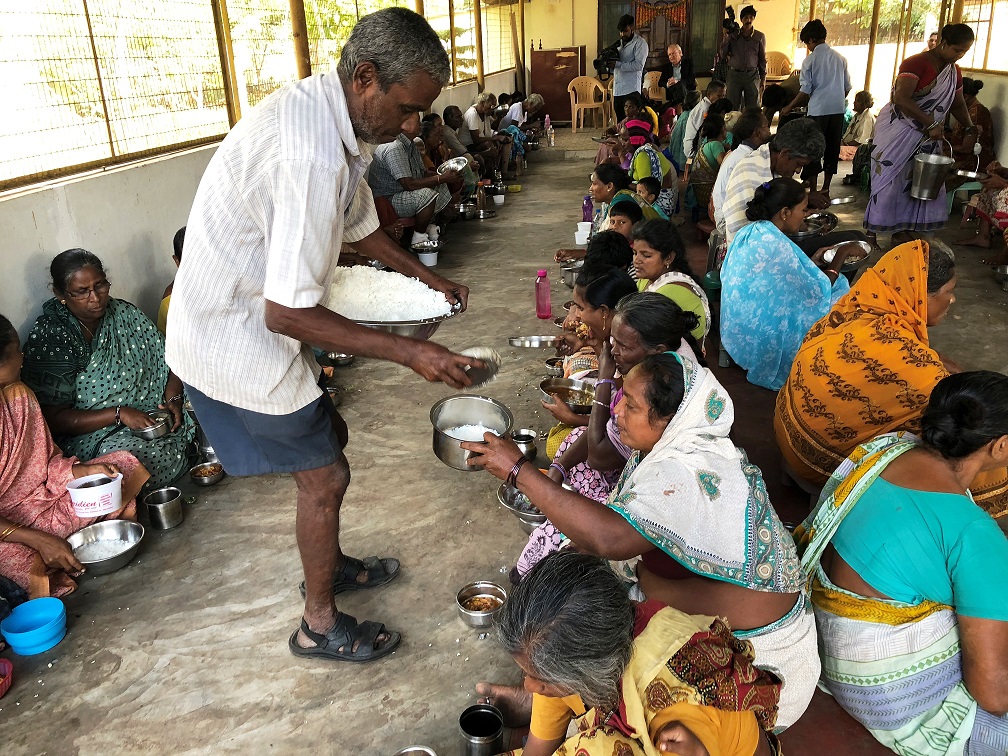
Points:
(689, 522)
(914, 628)
(641, 678)
(771, 291)
(36, 514)
(97, 365)
(591, 457)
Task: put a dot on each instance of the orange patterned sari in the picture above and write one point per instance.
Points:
(867, 369)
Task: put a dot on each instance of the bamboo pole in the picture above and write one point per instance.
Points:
(299, 30)
(420, 8)
(813, 8)
(478, 30)
(521, 44)
(226, 53)
(101, 85)
(451, 36)
(872, 40)
(957, 12)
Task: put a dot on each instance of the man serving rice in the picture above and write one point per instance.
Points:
(279, 197)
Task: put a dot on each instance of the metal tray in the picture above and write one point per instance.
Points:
(533, 342)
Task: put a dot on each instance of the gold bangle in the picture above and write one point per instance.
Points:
(9, 531)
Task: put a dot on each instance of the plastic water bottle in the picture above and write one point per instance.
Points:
(544, 307)
(586, 208)
(546, 123)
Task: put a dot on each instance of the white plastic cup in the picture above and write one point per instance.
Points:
(95, 501)
(498, 199)
(584, 227)
(428, 258)
(581, 239)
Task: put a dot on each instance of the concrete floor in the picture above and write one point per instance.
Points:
(185, 650)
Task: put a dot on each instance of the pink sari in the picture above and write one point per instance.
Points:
(33, 484)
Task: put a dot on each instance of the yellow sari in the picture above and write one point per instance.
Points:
(867, 369)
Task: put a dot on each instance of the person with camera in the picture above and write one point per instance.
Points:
(744, 51)
(628, 69)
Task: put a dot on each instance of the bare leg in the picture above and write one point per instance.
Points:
(319, 498)
(424, 217)
(513, 702)
(827, 178)
(504, 157)
(981, 239)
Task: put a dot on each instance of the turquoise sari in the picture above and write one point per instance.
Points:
(124, 365)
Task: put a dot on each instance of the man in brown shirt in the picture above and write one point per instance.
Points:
(745, 53)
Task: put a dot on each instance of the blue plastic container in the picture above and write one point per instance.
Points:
(35, 626)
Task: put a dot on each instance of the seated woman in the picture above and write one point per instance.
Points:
(591, 457)
(636, 108)
(964, 141)
(647, 161)
(597, 290)
(97, 365)
(771, 291)
(36, 515)
(582, 643)
(867, 368)
(660, 265)
(859, 130)
(710, 151)
(914, 629)
(610, 186)
(992, 209)
(689, 519)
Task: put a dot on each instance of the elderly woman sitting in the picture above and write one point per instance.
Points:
(641, 678)
(591, 457)
(689, 519)
(914, 629)
(867, 368)
(97, 365)
(36, 514)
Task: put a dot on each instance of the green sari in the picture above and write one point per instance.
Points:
(124, 365)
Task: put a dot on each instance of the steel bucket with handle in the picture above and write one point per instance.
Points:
(929, 174)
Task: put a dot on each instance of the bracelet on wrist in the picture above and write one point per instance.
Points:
(604, 381)
(9, 531)
(176, 398)
(560, 468)
(600, 404)
(513, 477)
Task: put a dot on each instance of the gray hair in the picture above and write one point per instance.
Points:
(535, 101)
(572, 622)
(940, 264)
(484, 97)
(398, 42)
(802, 138)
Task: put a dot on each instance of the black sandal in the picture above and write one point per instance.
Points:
(379, 572)
(338, 642)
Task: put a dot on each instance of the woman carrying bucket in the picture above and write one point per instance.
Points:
(927, 89)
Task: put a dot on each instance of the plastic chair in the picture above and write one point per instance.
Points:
(651, 89)
(969, 189)
(583, 91)
(609, 110)
(778, 66)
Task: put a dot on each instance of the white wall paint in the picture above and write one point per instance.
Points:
(127, 216)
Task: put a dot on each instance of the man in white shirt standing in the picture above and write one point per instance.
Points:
(752, 131)
(825, 84)
(280, 196)
(629, 71)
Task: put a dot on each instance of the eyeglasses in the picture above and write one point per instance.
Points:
(100, 289)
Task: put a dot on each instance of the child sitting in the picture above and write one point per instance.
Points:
(648, 189)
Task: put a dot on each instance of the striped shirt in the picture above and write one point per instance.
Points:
(393, 161)
(751, 171)
(720, 190)
(279, 197)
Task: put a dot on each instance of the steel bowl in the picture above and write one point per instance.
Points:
(131, 533)
(465, 409)
(161, 423)
(206, 480)
(815, 224)
(483, 589)
(484, 214)
(416, 329)
(569, 271)
(554, 366)
(453, 164)
(559, 322)
(338, 359)
(857, 258)
(514, 501)
(578, 395)
(533, 342)
(164, 507)
(971, 175)
(845, 200)
(1001, 275)
(415, 750)
(466, 210)
(568, 304)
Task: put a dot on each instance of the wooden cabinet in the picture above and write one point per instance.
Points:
(550, 72)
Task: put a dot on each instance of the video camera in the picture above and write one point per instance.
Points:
(608, 57)
(729, 24)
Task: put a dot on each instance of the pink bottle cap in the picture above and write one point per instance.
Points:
(541, 273)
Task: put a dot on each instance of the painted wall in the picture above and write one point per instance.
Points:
(126, 216)
(777, 20)
(563, 23)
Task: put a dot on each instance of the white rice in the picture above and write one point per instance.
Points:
(365, 293)
(469, 432)
(99, 551)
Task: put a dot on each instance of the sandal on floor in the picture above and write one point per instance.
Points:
(343, 635)
(379, 572)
